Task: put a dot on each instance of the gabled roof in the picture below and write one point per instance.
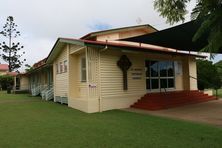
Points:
(93, 34)
(22, 74)
(37, 66)
(11, 73)
(4, 67)
(61, 42)
(40, 63)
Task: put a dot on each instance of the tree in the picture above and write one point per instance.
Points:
(10, 50)
(5, 81)
(208, 76)
(219, 68)
(173, 10)
(28, 68)
(209, 12)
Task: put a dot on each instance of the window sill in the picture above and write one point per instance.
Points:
(61, 72)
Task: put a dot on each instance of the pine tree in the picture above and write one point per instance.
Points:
(10, 50)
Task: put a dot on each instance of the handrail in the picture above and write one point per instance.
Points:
(193, 77)
(163, 88)
(202, 81)
(210, 84)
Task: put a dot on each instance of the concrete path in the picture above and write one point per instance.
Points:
(207, 112)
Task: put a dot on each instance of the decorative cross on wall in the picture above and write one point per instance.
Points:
(124, 64)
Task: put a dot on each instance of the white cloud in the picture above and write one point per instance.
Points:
(41, 22)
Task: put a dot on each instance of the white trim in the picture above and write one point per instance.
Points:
(87, 71)
(65, 64)
(81, 77)
(68, 72)
(158, 90)
(78, 50)
(60, 67)
(57, 68)
(159, 78)
(100, 93)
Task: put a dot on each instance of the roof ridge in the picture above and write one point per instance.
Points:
(115, 29)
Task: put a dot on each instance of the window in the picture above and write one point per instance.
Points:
(83, 69)
(159, 74)
(163, 68)
(154, 83)
(65, 66)
(170, 69)
(178, 67)
(61, 67)
(57, 68)
(154, 68)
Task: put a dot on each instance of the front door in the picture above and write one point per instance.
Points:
(159, 75)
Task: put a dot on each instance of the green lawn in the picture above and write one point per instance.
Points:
(29, 122)
(219, 93)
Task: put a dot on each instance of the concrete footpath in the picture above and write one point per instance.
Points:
(207, 112)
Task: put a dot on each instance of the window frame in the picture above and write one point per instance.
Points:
(65, 66)
(83, 69)
(57, 68)
(60, 67)
(159, 77)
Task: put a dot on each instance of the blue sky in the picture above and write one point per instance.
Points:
(41, 22)
(98, 26)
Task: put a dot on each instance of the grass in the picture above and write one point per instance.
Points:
(29, 122)
(219, 93)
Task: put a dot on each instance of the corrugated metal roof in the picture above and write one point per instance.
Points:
(4, 67)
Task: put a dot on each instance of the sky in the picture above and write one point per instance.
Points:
(41, 22)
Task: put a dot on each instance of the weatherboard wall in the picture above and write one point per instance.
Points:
(78, 90)
(111, 80)
(103, 89)
(24, 82)
(192, 73)
(60, 78)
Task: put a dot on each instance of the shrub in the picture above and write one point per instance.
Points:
(6, 81)
(207, 74)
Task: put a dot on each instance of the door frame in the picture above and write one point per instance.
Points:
(159, 78)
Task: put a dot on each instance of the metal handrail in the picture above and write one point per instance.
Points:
(210, 84)
(202, 81)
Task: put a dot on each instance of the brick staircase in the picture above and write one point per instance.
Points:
(164, 100)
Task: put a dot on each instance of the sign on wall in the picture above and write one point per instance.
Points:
(178, 67)
(136, 73)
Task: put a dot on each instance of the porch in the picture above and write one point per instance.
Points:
(165, 100)
(40, 82)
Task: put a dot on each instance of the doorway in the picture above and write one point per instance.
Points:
(160, 75)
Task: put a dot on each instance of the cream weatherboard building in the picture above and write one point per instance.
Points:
(99, 72)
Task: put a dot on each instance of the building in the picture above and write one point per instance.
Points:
(21, 83)
(3, 69)
(102, 71)
(88, 71)
(38, 80)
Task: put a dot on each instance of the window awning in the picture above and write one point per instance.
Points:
(178, 37)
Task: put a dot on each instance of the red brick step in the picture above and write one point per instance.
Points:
(158, 101)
